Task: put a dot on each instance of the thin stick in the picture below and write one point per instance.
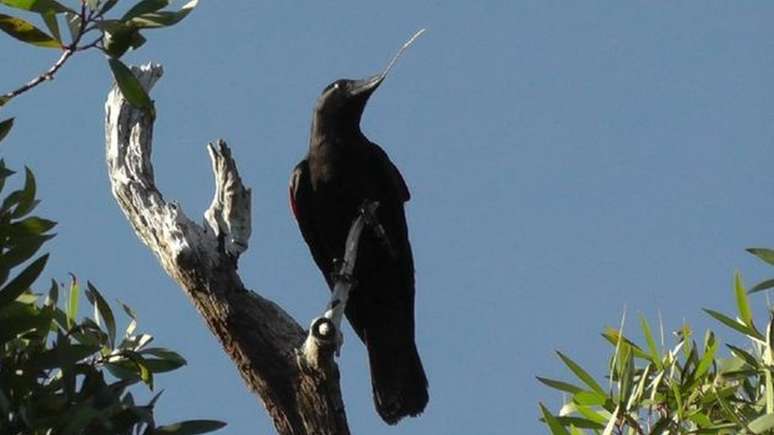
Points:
(400, 52)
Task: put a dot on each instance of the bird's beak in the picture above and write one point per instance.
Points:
(367, 86)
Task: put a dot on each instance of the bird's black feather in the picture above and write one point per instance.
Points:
(341, 170)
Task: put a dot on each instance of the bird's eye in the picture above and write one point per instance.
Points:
(334, 86)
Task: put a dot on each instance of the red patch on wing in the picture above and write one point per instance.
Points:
(292, 201)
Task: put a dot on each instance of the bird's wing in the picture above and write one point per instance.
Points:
(300, 202)
(393, 174)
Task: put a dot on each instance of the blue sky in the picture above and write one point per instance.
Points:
(565, 160)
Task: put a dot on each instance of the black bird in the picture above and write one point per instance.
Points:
(342, 169)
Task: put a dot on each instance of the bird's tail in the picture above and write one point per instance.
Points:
(397, 377)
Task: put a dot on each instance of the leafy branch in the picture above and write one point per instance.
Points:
(115, 36)
(687, 388)
(60, 373)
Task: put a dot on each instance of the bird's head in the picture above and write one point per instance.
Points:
(342, 102)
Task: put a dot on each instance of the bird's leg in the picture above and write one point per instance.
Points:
(368, 211)
(343, 272)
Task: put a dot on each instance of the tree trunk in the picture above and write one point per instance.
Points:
(294, 373)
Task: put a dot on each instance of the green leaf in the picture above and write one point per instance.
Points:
(23, 281)
(553, 423)
(102, 309)
(26, 200)
(625, 364)
(614, 336)
(707, 359)
(741, 301)
(118, 37)
(130, 87)
(764, 254)
(589, 398)
(734, 324)
(5, 127)
(53, 294)
(765, 285)
(164, 354)
(132, 315)
(107, 6)
(580, 373)
(4, 173)
(578, 422)
(72, 303)
(73, 24)
(61, 356)
(744, 355)
(23, 319)
(26, 32)
(163, 19)
(600, 417)
(52, 24)
(146, 375)
(144, 7)
(4, 100)
(40, 6)
(652, 347)
(762, 424)
(190, 427)
(123, 370)
(137, 40)
(23, 249)
(92, 4)
(559, 385)
(33, 226)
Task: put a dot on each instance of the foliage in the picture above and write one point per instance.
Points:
(59, 374)
(113, 36)
(685, 389)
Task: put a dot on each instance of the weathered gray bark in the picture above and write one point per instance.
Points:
(293, 372)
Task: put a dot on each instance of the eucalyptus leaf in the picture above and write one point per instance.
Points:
(765, 285)
(130, 87)
(580, 373)
(52, 24)
(559, 385)
(190, 427)
(144, 7)
(762, 424)
(163, 18)
(39, 6)
(73, 25)
(72, 303)
(107, 6)
(26, 201)
(553, 424)
(5, 127)
(764, 254)
(23, 281)
(103, 310)
(742, 303)
(26, 32)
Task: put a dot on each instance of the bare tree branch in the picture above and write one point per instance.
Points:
(299, 388)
